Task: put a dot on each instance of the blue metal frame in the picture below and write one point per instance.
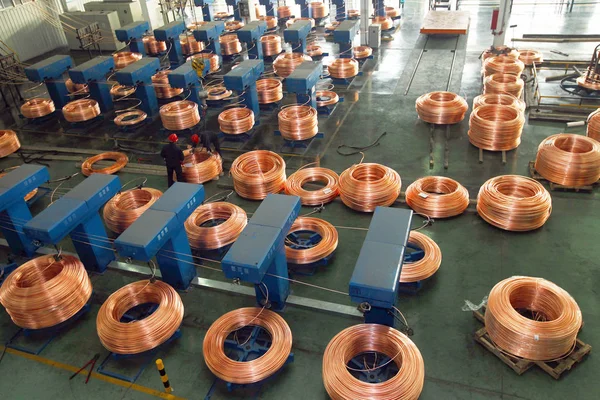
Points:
(50, 71)
(416, 255)
(302, 82)
(139, 74)
(209, 34)
(93, 73)
(207, 12)
(340, 10)
(236, 9)
(250, 34)
(344, 35)
(170, 33)
(132, 34)
(186, 77)
(379, 7)
(270, 12)
(305, 11)
(296, 35)
(242, 79)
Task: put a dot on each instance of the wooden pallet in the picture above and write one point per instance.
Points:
(555, 186)
(553, 368)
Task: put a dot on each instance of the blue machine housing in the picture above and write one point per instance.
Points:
(270, 6)
(132, 34)
(207, 12)
(93, 73)
(209, 34)
(296, 35)
(236, 9)
(343, 35)
(170, 33)
(305, 11)
(50, 71)
(243, 79)
(250, 35)
(302, 81)
(186, 77)
(340, 10)
(14, 212)
(139, 74)
(379, 7)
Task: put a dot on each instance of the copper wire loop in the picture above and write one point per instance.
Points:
(385, 22)
(501, 51)
(503, 65)
(153, 46)
(353, 13)
(126, 207)
(332, 25)
(9, 142)
(589, 80)
(357, 340)
(269, 20)
(366, 186)
(218, 92)
(235, 121)
(318, 9)
(298, 122)
(291, 21)
(231, 26)
(144, 334)
(528, 57)
(392, 12)
(244, 372)
(72, 87)
(325, 246)
(343, 68)
(593, 125)
(124, 58)
(271, 44)
(194, 25)
(514, 203)
(441, 108)
(286, 63)
(362, 52)
(189, 45)
(228, 222)
(284, 11)
(200, 167)
(504, 99)
(313, 50)
(162, 87)
(326, 98)
(294, 185)
(118, 91)
(44, 292)
(258, 173)
(569, 159)
(129, 118)
(81, 110)
(37, 107)
(120, 159)
(425, 267)
(503, 83)
(221, 15)
(532, 318)
(230, 44)
(437, 197)
(179, 115)
(270, 90)
(496, 127)
(212, 58)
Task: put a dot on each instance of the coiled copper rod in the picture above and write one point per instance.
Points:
(162, 87)
(503, 65)
(314, 50)
(326, 98)
(298, 122)
(125, 58)
(87, 167)
(270, 90)
(126, 207)
(231, 26)
(496, 127)
(269, 20)
(237, 120)
(258, 173)
(294, 185)
(528, 57)
(593, 125)
(271, 44)
(366, 186)
(9, 142)
(218, 92)
(230, 44)
(503, 83)
(343, 68)
(362, 52)
(501, 51)
(353, 13)
(189, 45)
(194, 25)
(392, 12)
(179, 115)
(153, 46)
(325, 247)
(318, 9)
(81, 110)
(286, 63)
(132, 117)
(426, 266)
(212, 237)
(76, 87)
(37, 107)
(200, 167)
(221, 15)
(503, 99)
(119, 91)
(437, 197)
(331, 26)
(441, 108)
(589, 80)
(284, 11)
(385, 22)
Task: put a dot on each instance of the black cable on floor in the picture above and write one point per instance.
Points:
(358, 149)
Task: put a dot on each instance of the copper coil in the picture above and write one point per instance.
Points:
(291, 21)
(153, 46)
(125, 58)
(37, 107)
(271, 44)
(298, 122)
(245, 372)
(218, 92)
(129, 118)
(270, 21)
(356, 340)
(326, 98)
(231, 26)
(213, 60)
(496, 127)
(590, 80)
(294, 186)
(44, 292)
(503, 83)
(179, 115)
(270, 90)
(307, 255)
(227, 223)
(366, 186)
(343, 68)
(532, 318)
(353, 13)
(385, 22)
(425, 267)
(593, 125)
(189, 45)
(196, 24)
(221, 15)
(318, 9)
(118, 91)
(200, 167)
(230, 44)
(514, 203)
(144, 334)
(502, 51)
(503, 65)
(332, 25)
(569, 159)
(437, 197)
(314, 50)
(258, 173)
(81, 110)
(441, 108)
(528, 57)
(76, 87)
(120, 159)
(362, 52)
(126, 207)
(237, 120)
(284, 11)
(392, 12)
(286, 63)
(257, 11)
(29, 195)
(503, 99)
(162, 87)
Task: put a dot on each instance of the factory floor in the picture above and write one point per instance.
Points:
(475, 255)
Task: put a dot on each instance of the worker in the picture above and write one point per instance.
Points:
(173, 157)
(191, 148)
(209, 139)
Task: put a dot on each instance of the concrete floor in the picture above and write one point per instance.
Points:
(475, 255)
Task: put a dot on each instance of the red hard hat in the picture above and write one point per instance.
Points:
(195, 138)
(173, 138)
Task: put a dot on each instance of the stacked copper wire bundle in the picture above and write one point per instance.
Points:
(326, 98)
(392, 12)
(441, 108)
(46, 291)
(144, 334)
(126, 207)
(215, 225)
(270, 21)
(341, 384)
(153, 46)
(314, 50)
(343, 68)
(231, 26)
(362, 52)
(501, 51)
(230, 44)
(503, 99)
(179, 115)
(324, 248)
(503, 83)
(218, 92)
(385, 22)
(366, 186)
(162, 87)
(120, 91)
(503, 65)
(496, 127)
(258, 173)
(237, 120)
(271, 44)
(213, 60)
(425, 267)
(81, 110)
(284, 11)
(129, 118)
(120, 161)
(76, 87)
(200, 167)
(589, 80)
(286, 63)
(569, 159)
(298, 122)
(37, 108)
(437, 197)
(189, 45)
(318, 9)
(270, 90)
(593, 125)
(295, 185)
(532, 318)
(125, 58)
(514, 203)
(528, 57)
(353, 13)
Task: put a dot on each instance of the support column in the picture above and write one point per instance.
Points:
(503, 22)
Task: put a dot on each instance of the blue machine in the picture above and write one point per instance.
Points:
(258, 255)
(186, 77)
(50, 71)
(76, 214)
(242, 79)
(209, 34)
(375, 280)
(340, 10)
(270, 7)
(305, 11)
(235, 4)
(207, 12)
(379, 7)
(93, 73)
(296, 35)
(139, 74)
(14, 211)
(159, 232)
(302, 81)
(132, 34)
(169, 33)
(344, 35)
(250, 35)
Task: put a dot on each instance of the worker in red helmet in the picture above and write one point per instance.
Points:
(173, 157)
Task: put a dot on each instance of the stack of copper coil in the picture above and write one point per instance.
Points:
(593, 125)
(271, 44)
(331, 26)
(437, 197)
(76, 87)
(81, 110)
(200, 167)
(314, 50)
(362, 52)
(213, 60)
(363, 187)
(295, 185)
(232, 26)
(37, 108)
(326, 98)
(286, 63)
(503, 99)
(237, 120)
(441, 108)
(258, 173)
(9, 142)
(503, 83)
(301, 254)
(120, 161)
(424, 268)
(284, 11)
(179, 115)
(298, 122)
(215, 225)
(503, 65)
(189, 44)
(162, 87)
(230, 44)
(529, 57)
(153, 46)
(318, 9)
(129, 118)
(501, 51)
(270, 21)
(126, 207)
(120, 91)
(385, 22)
(218, 92)
(125, 58)
(590, 80)
(353, 13)
(343, 68)
(568, 159)
(392, 12)
(496, 127)
(270, 90)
